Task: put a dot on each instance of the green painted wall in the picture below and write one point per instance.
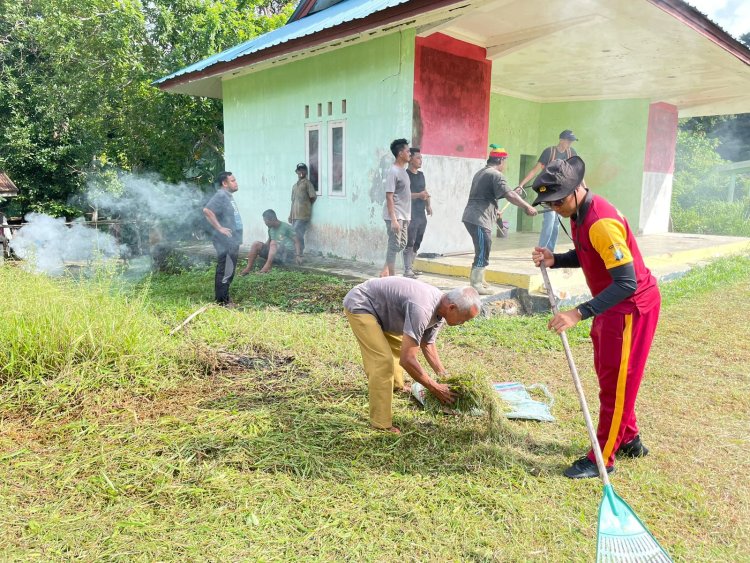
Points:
(612, 142)
(514, 124)
(264, 121)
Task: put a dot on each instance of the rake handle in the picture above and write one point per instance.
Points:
(577, 382)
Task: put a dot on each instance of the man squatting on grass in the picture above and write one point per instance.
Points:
(392, 319)
(282, 242)
(625, 304)
(222, 213)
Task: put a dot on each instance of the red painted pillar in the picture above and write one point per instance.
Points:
(658, 168)
(451, 97)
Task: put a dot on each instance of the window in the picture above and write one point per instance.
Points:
(336, 157)
(312, 152)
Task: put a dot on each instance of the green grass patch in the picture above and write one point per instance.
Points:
(258, 447)
(703, 279)
(284, 289)
(63, 338)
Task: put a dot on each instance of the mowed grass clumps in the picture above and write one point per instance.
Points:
(64, 337)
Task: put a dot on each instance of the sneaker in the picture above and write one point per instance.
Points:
(634, 448)
(584, 468)
(410, 274)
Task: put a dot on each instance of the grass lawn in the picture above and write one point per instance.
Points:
(245, 436)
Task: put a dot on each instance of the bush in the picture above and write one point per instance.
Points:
(714, 218)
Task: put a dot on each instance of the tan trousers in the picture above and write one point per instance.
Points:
(381, 352)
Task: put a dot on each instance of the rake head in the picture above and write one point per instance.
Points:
(622, 537)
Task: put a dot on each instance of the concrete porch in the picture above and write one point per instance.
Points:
(668, 255)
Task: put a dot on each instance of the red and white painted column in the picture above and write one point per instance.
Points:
(658, 168)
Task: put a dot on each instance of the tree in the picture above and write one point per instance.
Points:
(76, 94)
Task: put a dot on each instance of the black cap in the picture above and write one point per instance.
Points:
(301, 166)
(558, 179)
(568, 135)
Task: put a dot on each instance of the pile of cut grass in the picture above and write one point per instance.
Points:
(474, 396)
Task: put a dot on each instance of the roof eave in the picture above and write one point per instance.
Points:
(383, 17)
(700, 23)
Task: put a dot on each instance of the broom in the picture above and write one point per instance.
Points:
(621, 536)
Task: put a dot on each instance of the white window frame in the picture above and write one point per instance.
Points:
(329, 163)
(315, 127)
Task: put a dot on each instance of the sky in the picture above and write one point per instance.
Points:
(732, 15)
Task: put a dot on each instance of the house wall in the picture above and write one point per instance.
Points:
(264, 121)
(612, 142)
(451, 108)
(451, 97)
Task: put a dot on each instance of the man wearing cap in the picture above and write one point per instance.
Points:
(625, 304)
(303, 197)
(480, 214)
(397, 207)
(395, 318)
(562, 151)
(222, 213)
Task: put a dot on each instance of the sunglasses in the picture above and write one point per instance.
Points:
(555, 203)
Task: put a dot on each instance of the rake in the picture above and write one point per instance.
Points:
(621, 536)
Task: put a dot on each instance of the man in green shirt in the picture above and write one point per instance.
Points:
(282, 243)
(303, 197)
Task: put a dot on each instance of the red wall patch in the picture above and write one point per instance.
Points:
(451, 97)
(661, 139)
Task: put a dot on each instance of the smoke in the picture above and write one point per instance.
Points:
(47, 244)
(145, 197)
(147, 214)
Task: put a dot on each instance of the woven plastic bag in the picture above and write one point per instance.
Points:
(522, 405)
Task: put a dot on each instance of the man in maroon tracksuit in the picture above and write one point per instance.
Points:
(625, 304)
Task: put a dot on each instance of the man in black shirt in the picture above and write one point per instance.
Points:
(420, 208)
(222, 213)
(562, 151)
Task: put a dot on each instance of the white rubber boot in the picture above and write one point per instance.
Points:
(408, 262)
(477, 274)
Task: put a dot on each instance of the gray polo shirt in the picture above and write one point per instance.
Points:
(397, 182)
(401, 306)
(487, 187)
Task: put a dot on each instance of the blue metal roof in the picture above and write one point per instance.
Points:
(342, 12)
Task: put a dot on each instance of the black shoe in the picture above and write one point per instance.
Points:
(584, 468)
(634, 448)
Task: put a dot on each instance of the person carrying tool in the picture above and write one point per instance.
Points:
(625, 304)
(393, 318)
(563, 150)
(480, 214)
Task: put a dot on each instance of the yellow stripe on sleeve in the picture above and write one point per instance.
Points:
(609, 238)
